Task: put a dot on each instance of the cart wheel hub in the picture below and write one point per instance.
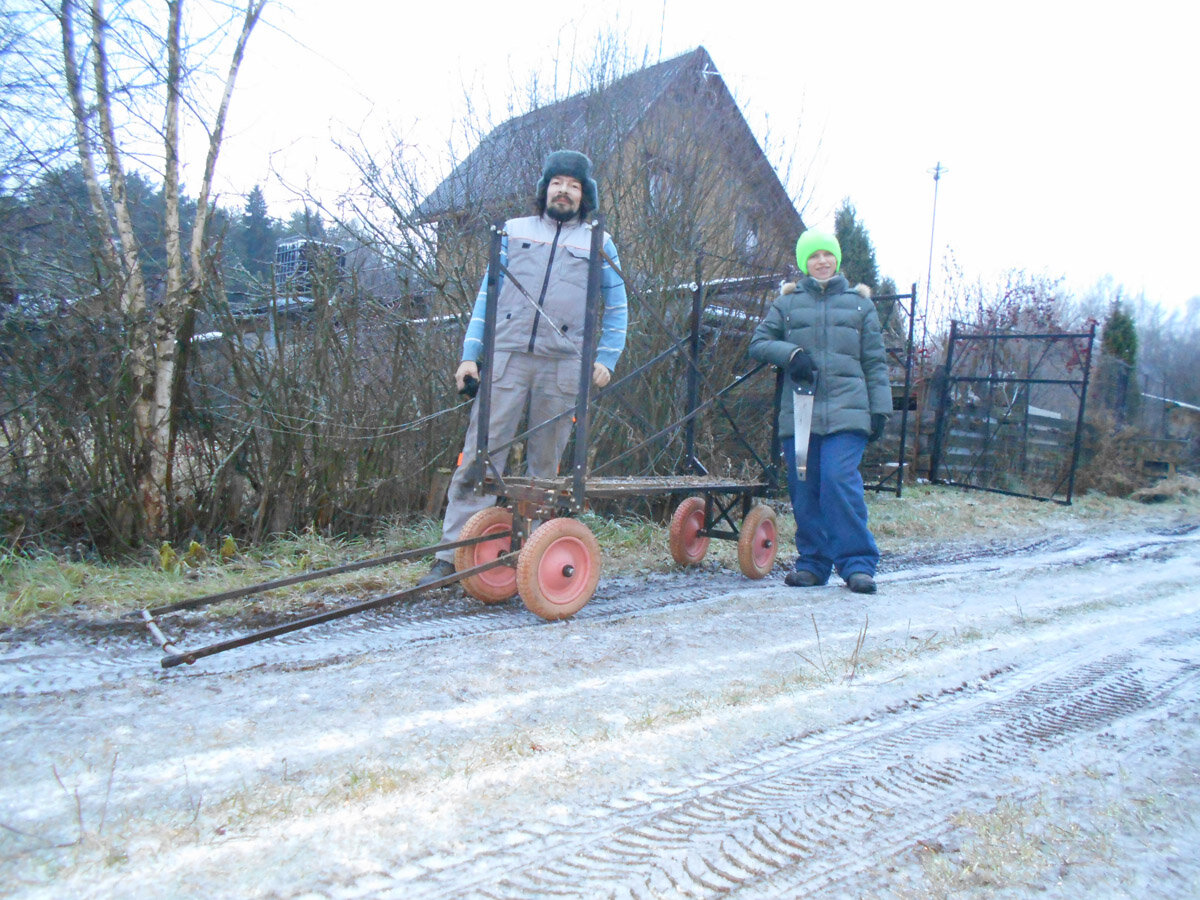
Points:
(568, 571)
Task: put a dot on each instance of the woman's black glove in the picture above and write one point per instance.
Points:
(878, 423)
(800, 366)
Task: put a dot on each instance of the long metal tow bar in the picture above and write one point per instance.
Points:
(175, 656)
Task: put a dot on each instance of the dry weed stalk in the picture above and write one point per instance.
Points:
(823, 667)
(858, 645)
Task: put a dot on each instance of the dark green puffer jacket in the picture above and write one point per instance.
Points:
(839, 328)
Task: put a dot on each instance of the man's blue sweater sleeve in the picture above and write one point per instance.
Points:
(616, 310)
(473, 340)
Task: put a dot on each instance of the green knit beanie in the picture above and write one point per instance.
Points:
(812, 241)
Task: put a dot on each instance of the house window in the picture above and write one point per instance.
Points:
(657, 186)
(745, 236)
(657, 183)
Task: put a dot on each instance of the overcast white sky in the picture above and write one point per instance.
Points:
(1069, 129)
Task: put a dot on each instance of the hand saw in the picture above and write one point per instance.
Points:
(802, 410)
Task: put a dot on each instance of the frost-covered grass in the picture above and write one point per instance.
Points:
(380, 762)
(43, 586)
(35, 587)
(1082, 830)
(926, 512)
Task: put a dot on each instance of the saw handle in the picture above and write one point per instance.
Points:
(800, 365)
(805, 385)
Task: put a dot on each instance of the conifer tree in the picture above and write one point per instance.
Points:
(1119, 337)
(1119, 342)
(858, 255)
(259, 234)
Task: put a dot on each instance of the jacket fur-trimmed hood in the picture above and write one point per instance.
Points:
(790, 287)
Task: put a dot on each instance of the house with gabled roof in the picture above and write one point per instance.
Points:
(685, 188)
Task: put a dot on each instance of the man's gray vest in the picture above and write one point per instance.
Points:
(550, 261)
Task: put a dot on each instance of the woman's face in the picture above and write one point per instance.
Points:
(822, 265)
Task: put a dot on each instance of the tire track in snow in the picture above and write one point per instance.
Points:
(810, 816)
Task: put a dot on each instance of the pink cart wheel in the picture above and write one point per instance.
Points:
(687, 545)
(494, 585)
(758, 542)
(558, 569)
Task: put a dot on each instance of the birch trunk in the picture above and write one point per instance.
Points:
(185, 290)
(153, 341)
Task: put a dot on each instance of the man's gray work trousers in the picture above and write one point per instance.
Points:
(549, 386)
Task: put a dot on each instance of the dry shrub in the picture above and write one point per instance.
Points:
(1175, 488)
(1109, 458)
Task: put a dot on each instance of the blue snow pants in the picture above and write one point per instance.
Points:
(830, 510)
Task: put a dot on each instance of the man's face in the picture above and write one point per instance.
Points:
(822, 265)
(563, 195)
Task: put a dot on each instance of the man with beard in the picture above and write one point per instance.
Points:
(540, 314)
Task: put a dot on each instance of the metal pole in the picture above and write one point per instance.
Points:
(937, 172)
(775, 470)
(943, 407)
(587, 357)
(693, 375)
(484, 419)
(908, 357)
(1077, 446)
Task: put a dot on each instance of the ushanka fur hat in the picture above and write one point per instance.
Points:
(812, 241)
(574, 165)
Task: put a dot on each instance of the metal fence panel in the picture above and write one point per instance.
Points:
(1010, 412)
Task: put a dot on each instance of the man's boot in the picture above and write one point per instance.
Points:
(441, 568)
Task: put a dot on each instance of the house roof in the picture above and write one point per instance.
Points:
(595, 122)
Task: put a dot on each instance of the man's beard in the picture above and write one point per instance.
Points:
(561, 214)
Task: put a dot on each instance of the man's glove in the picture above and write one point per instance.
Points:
(466, 378)
(800, 366)
(878, 423)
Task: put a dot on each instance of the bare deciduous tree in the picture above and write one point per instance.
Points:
(157, 326)
(688, 196)
(332, 407)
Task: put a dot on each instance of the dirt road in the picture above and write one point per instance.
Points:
(1013, 718)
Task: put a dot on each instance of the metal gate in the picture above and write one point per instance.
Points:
(1010, 412)
(881, 470)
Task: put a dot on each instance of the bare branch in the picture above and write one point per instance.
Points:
(254, 10)
(83, 139)
(133, 293)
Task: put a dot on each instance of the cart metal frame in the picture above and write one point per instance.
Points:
(539, 499)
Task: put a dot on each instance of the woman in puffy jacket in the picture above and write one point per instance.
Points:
(822, 329)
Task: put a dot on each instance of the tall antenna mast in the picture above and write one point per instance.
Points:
(937, 172)
(662, 26)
